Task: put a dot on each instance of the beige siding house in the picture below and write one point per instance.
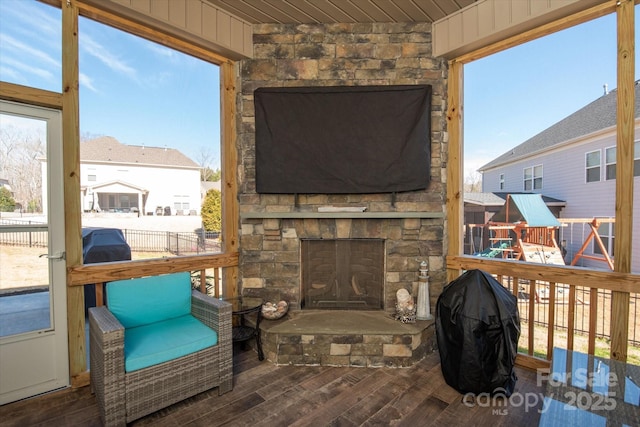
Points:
(135, 178)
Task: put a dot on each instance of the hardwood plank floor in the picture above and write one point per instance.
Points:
(269, 395)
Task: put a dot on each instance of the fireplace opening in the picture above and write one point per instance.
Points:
(342, 274)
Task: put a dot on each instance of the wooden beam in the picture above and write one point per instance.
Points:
(578, 276)
(624, 174)
(81, 275)
(454, 165)
(229, 154)
(71, 180)
(30, 95)
(544, 30)
(156, 36)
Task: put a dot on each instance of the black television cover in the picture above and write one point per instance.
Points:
(355, 139)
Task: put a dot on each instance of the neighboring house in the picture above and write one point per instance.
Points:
(574, 160)
(115, 177)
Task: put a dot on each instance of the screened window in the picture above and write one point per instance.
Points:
(501, 181)
(593, 166)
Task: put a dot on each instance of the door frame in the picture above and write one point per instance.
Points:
(37, 362)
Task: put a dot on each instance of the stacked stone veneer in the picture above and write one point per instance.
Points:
(339, 55)
(365, 350)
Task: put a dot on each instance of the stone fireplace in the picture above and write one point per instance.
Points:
(276, 228)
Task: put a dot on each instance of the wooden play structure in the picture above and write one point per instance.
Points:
(525, 229)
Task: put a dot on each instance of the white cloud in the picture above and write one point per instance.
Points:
(11, 44)
(40, 72)
(101, 53)
(87, 82)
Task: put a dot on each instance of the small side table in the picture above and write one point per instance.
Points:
(243, 332)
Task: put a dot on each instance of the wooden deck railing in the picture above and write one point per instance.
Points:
(538, 287)
(99, 273)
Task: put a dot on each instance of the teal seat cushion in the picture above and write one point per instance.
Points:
(146, 300)
(149, 345)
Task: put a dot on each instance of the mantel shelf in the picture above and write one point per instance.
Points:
(329, 215)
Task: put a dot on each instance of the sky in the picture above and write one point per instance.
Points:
(144, 94)
(136, 91)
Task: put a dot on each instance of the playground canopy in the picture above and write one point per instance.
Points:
(529, 208)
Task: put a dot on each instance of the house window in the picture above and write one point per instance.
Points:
(533, 178)
(593, 166)
(91, 178)
(610, 161)
(501, 181)
(606, 233)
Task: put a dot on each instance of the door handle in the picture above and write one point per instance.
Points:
(59, 255)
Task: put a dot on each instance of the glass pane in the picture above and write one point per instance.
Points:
(593, 159)
(528, 173)
(30, 38)
(537, 171)
(611, 171)
(25, 297)
(610, 155)
(593, 175)
(537, 184)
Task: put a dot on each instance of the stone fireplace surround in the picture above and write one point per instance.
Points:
(273, 225)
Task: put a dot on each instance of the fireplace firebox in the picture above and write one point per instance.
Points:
(343, 274)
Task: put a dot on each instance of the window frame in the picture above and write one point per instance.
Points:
(588, 168)
(532, 178)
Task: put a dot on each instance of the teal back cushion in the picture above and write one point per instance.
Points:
(146, 300)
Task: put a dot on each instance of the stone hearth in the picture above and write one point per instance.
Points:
(353, 338)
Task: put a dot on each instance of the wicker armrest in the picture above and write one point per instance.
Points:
(106, 341)
(216, 314)
(213, 312)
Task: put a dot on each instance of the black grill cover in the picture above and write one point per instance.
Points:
(477, 328)
(102, 245)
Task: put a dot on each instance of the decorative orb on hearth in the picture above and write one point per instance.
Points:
(274, 311)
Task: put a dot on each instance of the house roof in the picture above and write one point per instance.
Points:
(499, 198)
(599, 114)
(328, 11)
(109, 149)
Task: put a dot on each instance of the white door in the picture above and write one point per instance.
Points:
(33, 326)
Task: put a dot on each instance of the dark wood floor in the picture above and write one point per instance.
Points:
(269, 395)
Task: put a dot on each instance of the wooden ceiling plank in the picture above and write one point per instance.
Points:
(337, 12)
(391, 8)
(352, 10)
(300, 11)
(275, 8)
(243, 11)
(412, 10)
(377, 14)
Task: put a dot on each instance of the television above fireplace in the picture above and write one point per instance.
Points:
(342, 140)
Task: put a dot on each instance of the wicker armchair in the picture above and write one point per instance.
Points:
(125, 396)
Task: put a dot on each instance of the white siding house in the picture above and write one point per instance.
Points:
(574, 160)
(127, 178)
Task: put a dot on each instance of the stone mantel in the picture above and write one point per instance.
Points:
(332, 215)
